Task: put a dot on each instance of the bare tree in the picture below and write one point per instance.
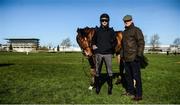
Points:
(145, 39)
(154, 41)
(44, 48)
(50, 45)
(176, 41)
(66, 43)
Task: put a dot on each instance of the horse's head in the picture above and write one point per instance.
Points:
(84, 38)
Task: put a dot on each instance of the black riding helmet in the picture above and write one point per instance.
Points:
(104, 15)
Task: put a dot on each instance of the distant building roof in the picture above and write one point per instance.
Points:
(21, 39)
(160, 45)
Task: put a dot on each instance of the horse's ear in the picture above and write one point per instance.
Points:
(77, 29)
(86, 27)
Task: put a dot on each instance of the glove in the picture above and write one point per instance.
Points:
(138, 58)
(142, 60)
(94, 47)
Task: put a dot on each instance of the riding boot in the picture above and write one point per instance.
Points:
(97, 85)
(110, 85)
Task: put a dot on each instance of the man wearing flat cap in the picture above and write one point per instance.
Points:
(131, 53)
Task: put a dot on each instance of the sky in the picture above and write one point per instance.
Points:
(55, 20)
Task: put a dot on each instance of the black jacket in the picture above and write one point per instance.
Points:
(105, 40)
(133, 43)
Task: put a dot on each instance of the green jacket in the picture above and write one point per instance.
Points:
(132, 43)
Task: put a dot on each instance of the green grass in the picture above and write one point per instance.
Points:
(59, 78)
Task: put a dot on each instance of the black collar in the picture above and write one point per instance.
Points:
(132, 25)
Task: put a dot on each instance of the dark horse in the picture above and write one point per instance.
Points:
(84, 38)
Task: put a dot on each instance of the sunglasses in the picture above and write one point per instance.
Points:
(127, 21)
(104, 20)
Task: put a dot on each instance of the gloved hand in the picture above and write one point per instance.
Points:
(138, 58)
(142, 60)
(94, 47)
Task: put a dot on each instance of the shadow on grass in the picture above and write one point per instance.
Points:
(104, 78)
(6, 64)
(118, 81)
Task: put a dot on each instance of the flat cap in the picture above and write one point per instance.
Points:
(127, 17)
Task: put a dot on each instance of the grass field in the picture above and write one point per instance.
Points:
(59, 78)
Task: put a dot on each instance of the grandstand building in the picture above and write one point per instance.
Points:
(22, 44)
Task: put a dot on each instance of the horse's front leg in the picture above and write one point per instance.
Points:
(92, 74)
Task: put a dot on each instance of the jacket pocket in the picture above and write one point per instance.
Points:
(132, 50)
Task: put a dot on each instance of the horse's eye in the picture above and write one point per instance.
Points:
(81, 39)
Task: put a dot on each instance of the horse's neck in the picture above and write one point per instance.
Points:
(90, 35)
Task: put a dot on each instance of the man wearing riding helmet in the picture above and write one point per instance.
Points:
(103, 43)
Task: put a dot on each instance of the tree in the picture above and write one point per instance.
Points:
(154, 41)
(145, 39)
(50, 46)
(0, 47)
(44, 48)
(58, 48)
(66, 43)
(176, 41)
(10, 47)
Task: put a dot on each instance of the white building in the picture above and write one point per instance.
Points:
(163, 48)
(75, 49)
(175, 48)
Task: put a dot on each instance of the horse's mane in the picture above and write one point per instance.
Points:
(84, 31)
(118, 31)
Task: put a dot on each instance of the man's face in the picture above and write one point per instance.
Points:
(127, 23)
(104, 21)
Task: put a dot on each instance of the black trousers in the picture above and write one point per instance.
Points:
(132, 71)
(122, 74)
